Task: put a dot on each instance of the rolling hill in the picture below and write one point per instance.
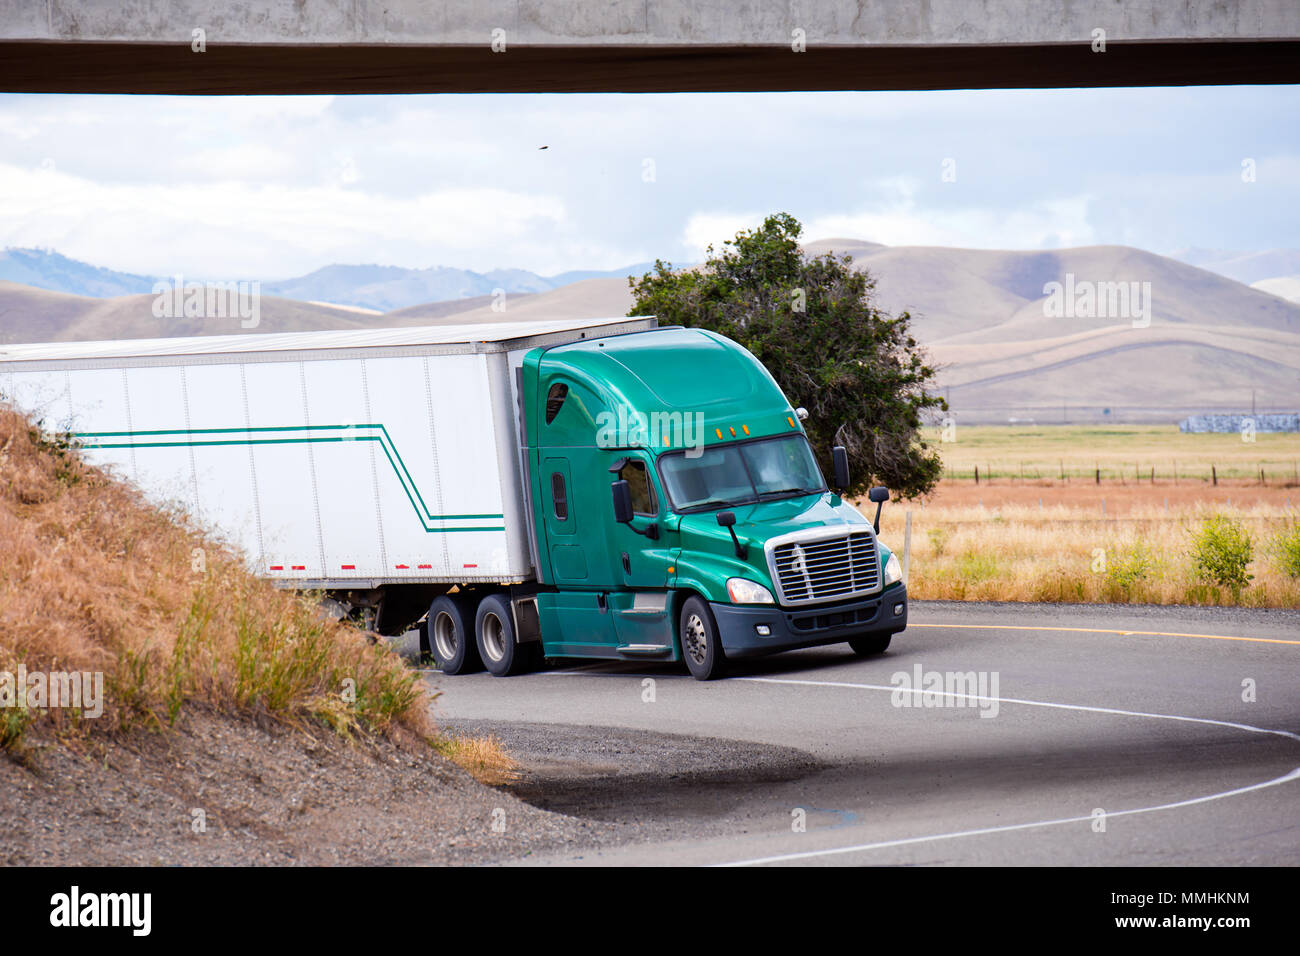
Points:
(373, 287)
(1211, 344)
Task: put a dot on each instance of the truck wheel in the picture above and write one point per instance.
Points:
(451, 640)
(867, 645)
(495, 627)
(701, 647)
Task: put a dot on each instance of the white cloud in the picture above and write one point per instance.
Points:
(237, 228)
(895, 218)
(281, 185)
(714, 228)
(241, 161)
(900, 221)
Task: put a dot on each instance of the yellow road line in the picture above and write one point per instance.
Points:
(1102, 630)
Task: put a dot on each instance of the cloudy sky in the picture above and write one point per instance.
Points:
(267, 187)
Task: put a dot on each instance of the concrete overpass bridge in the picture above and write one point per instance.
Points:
(372, 46)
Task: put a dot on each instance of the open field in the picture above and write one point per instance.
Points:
(1137, 552)
(1039, 526)
(1122, 453)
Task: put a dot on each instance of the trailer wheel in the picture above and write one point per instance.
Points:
(701, 647)
(451, 638)
(494, 626)
(866, 645)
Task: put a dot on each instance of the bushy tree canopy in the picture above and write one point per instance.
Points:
(811, 321)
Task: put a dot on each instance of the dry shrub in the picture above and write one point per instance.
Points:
(484, 757)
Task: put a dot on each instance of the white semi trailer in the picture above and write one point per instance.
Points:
(358, 462)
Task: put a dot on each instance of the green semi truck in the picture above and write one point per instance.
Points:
(677, 513)
(516, 491)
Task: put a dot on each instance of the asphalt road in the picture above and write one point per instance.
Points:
(1088, 743)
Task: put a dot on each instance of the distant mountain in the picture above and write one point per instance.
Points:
(381, 288)
(46, 269)
(29, 314)
(1247, 267)
(992, 295)
(582, 275)
(1212, 344)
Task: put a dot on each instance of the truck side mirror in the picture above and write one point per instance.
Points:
(840, 456)
(728, 520)
(623, 510)
(878, 494)
(622, 502)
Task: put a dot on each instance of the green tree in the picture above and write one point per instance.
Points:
(812, 322)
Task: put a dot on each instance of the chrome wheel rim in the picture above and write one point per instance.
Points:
(695, 640)
(494, 641)
(445, 639)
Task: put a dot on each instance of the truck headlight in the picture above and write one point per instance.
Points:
(893, 570)
(743, 591)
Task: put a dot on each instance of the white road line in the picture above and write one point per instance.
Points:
(862, 847)
(890, 688)
(906, 841)
(1286, 778)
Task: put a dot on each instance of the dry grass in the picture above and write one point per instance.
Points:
(485, 758)
(1076, 554)
(93, 578)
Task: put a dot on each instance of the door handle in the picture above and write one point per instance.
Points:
(627, 564)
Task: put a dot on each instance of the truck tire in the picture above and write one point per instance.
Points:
(868, 645)
(701, 646)
(450, 636)
(494, 629)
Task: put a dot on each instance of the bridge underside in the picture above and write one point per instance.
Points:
(112, 67)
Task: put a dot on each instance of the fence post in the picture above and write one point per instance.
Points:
(907, 543)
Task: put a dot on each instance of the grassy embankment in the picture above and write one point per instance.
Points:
(1041, 538)
(95, 579)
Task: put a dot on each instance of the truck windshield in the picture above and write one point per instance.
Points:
(742, 473)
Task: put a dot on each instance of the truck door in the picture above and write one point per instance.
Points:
(641, 562)
(568, 558)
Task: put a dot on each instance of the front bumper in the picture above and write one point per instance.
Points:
(811, 626)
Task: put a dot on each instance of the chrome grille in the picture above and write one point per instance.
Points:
(825, 569)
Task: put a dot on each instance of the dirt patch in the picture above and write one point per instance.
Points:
(224, 791)
(652, 785)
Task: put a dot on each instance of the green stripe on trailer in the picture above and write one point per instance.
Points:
(95, 441)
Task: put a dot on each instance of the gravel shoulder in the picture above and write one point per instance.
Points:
(268, 794)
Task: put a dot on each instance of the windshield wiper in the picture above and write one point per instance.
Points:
(766, 495)
(716, 503)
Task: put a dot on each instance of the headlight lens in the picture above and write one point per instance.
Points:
(893, 570)
(743, 591)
